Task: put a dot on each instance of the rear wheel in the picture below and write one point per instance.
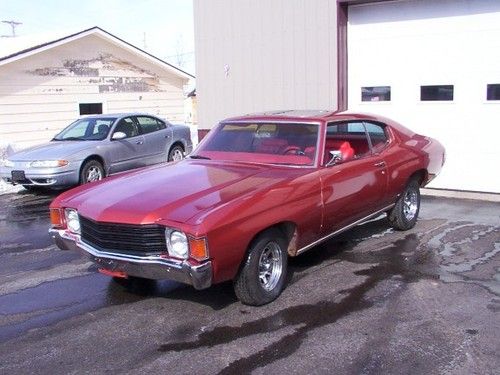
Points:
(91, 171)
(405, 213)
(176, 153)
(261, 279)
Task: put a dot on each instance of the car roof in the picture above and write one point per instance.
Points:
(307, 116)
(121, 114)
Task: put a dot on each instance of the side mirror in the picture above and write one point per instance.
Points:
(118, 135)
(335, 158)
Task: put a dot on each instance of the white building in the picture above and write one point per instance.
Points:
(46, 82)
(432, 65)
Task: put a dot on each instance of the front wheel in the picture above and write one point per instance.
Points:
(176, 153)
(261, 278)
(405, 213)
(91, 171)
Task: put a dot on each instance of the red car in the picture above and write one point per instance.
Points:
(258, 189)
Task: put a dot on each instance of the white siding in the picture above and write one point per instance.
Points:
(281, 54)
(407, 44)
(39, 95)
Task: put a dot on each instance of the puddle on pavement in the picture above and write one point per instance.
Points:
(406, 260)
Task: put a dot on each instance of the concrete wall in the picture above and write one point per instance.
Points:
(40, 94)
(257, 55)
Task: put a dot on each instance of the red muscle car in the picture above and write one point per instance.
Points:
(258, 189)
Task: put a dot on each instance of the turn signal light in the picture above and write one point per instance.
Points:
(198, 248)
(56, 217)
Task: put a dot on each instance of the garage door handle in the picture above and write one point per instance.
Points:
(379, 164)
(139, 142)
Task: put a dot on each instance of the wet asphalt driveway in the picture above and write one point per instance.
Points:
(372, 301)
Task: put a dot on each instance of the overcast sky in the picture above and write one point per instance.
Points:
(167, 24)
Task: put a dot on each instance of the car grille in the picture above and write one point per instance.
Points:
(129, 238)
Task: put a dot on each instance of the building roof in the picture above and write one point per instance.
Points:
(12, 49)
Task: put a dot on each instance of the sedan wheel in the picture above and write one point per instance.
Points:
(262, 276)
(92, 171)
(176, 154)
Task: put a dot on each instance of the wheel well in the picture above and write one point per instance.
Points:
(420, 176)
(177, 144)
(94, 157)
(288, 228)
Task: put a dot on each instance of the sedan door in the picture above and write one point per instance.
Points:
(126, 153)
(157, 138)
(354, 187)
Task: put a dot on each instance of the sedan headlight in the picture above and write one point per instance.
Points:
(177, 243)
(72, 220)
(49, 163)
(6, 163)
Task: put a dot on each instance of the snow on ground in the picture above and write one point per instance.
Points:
(6, 188)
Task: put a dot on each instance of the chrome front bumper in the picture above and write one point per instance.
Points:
(149, 267)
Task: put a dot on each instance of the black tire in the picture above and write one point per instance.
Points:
(404, 214)
(91, 171)
(248, 285)
(176, 153)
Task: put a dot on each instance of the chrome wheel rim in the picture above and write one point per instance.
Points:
(270, 266)
(410, 204)
(94, 174)
(177, 155)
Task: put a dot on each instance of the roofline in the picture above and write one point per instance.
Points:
(93, 30)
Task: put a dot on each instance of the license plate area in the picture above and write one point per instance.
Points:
(18, 176)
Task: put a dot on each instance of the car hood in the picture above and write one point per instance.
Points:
(170, 192)
(52, 150)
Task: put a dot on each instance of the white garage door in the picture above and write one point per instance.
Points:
(434, 66)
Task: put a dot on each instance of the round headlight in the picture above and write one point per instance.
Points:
(72, 220)
(177, 244)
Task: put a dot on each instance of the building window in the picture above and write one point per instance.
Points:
(376, 94)
(493, 91)
(90, 108)
(436, 93)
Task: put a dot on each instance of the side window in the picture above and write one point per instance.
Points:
(127, 126)
(377, 134)
(149, 124)
(347, 137)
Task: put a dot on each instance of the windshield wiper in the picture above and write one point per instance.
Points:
(199, 157)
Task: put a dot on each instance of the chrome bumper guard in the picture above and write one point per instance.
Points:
(149, 267)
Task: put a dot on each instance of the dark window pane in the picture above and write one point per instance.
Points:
(436, 93)
(493, 91)
(90, 108)
(376, 94)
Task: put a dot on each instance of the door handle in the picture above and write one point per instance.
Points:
(139, 142)
(379, 164)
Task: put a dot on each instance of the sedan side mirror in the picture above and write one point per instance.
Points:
(335, 158)
(118, 135)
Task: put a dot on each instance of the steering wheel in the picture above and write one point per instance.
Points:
(293, 150)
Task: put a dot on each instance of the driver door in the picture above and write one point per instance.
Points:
(352, 187)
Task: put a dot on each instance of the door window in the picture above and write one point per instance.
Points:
(149, 124)
(127, 126)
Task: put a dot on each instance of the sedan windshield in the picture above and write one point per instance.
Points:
(86, 129)
(273, 143)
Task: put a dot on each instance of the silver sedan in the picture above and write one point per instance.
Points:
(96, 146)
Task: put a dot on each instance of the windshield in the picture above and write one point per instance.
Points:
(86, 129)
(274, 143)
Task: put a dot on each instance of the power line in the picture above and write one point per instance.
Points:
(13, 25)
